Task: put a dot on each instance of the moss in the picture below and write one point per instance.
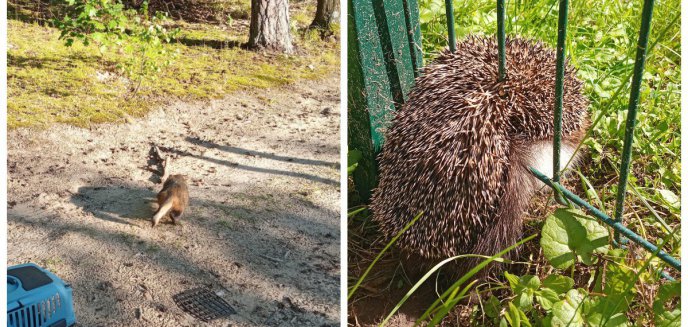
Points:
(78, 85)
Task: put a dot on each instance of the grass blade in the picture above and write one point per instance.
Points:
(353, 289)
(470, 274)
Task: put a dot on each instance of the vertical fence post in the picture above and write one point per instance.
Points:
(449, 6)
(501, 39)
(384, 58)
(632, 110)
(559, 89)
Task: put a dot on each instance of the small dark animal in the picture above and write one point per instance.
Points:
(172, 199)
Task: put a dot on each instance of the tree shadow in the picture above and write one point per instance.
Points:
(236, 165)
(215, 44)
(14, 60)
(94, 273)
(41, 11)
(271, 156)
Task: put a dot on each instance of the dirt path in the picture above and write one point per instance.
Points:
(262, 230)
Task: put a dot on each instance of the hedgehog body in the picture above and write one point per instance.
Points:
(459, 148)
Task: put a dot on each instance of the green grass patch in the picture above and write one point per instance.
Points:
(50, 83)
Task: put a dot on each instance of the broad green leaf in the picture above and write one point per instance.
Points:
(492, 307)
(524, 300)
(568, 312)
(669, 318)
(599, 312)
(663, 316)
(559, 284)
(570, 233)
(547, 297)
(670, 198)
(530, 282)
(524, 288)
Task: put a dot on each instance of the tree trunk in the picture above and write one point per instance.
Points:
(270, 26)
(327, 12)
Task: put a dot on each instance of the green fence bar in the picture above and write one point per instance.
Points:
(559, 86)
(616, 225)
(384, 59)
(501, 39)
(632, 110)
(411, 14)
(449, 6)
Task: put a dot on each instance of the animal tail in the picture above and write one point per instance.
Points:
(162, 211)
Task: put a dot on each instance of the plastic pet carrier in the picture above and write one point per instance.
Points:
(37, 298)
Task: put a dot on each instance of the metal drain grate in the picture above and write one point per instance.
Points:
(203, 304)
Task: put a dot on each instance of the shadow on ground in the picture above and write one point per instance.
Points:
(214, 44)
(103, 261)
(107, 203)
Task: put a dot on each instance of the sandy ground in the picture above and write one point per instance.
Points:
(262, 230)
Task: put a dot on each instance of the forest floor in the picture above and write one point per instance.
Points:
(262, 230)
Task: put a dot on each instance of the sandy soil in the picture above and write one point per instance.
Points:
(262, 230)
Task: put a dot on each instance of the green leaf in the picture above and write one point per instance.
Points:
(513, 316)
(547, 297)
(664, 317)
(513, 280)
(670, 198)
(524, 288)
(350, 169)
(669, 318)
(353, 157)
(570, 233)
(568, 312)
(90, 11)
(530, 282)
(524, 301)
(600, 312)
(559, 284)
(492, 307)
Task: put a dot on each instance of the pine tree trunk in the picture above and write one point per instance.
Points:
(270, 26)
(327, 12)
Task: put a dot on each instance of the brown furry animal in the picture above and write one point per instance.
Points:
(172, 199)
(460, 148)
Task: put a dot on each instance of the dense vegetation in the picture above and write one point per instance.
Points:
(598, 284)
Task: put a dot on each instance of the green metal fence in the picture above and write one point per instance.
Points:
(385, 55)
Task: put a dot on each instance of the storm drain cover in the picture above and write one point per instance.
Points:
(203, 304)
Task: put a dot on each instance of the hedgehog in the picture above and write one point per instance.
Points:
(458, 150)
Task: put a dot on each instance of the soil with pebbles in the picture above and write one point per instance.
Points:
(262, 229)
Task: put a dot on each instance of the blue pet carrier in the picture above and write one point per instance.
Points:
(37, 298)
